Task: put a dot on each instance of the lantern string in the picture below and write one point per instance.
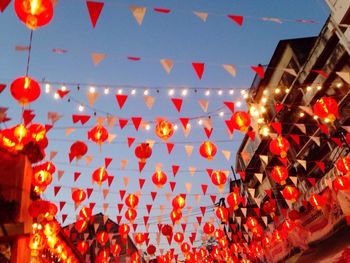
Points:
(29, 51)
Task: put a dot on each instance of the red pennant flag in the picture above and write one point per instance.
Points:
(175, 169)
(145, 219)
(284, 161)
(312, 181)
(213, 198)
(153, 195)
(82, 118)
(120, 207)
(122, 194)
(172, 186)
(48, 127)
(110, 179)
(161, 10)
(337, 141)
(278, 107)
(3, 6)
(277, 126)
(64, 217)
(122, 123)
(89, 192)
(209, 172)
(230, 125)
(257, 211)
(183, 196)
(136, 121)
(242, 175)
(230, 105)
(251, 135)
(170, 147)
(296, 138)
(108, 226)
(28, 116)
(183, 226)
(56, 189)
(2, 86)
(208, 132)
(62, 93)
(134, 226)
(62, 204)
(320, 72)
(199, 219)
(149, 207)
(198, 68)
(95, 9)
(269, 193)
(130, 141)
(237, 19)
(324, 128)
(121, 100)
(321, 165)
(204, 188)
(142, 182)
(159, 227)
(203, 208)
(184, 122)
(76, 176)
(141, 166)
(259, 70)
(107, 162)
(177, 103)
(92, 205)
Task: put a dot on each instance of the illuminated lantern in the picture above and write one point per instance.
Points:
(326, 108)
(277, 236)
(222, 213)
(41, 177)
(85, 213)
(51, 228)
(98, 134)
(202, 253)
(37, 242)
(167, 230)
(139, 238)
(343, 165)
(34, 13)
(159, 179)
(164, 129)
(279, 174)
(218, 178)
(82, 246)
(266, 241)
(191, 257)
(7, 139)
(124, 230)
(102, 237)
(135, 257)
(78, 196)
(175, 215)
(48, 166)
(20, 136)
(77, 150)
(178, 202)
(317, 201)
(130, 214)
(341, 183)
(233, 200)
(179, 237)
(80, 225)
(151, 250)
(143, 151)
(103, 256)
(185, 247)
(241, 121)
(288, 225)
(269, 207)
(25, 90)
(169, 255)
(37, 132)
(208, 150)
(115, 249)
(99, 175)
(279, 146)
(290, 193)
(223, 243)
(252, 223)
(208, 228)
(132, 201)
(235, 248)
(218, 233)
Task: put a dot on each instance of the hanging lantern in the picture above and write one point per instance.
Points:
(164, 129)
(159, 179)
(279, 146)
(290, 193)
(82, 246)
(135, 257)
(269, 207)
(178, 202)
(326, 108)
(85, 213)
(218, 234)
(235, 248)
(185, 247)
(288, 225)
(279, 174)
(191, 257)
(98, 134)
(233, 199)
(167, 230)
(102, 256)
(99, 175)
(218, 178)
(37, 132)
(175, 215)
(179, 237)
(223, 243)
(81, 225)
(143, 151)
(34, 13)
(341, 183)
(130, 214)
(102, 237)
(41, 177)
(151, 250)
(266, 242)
(222, 214)
(139, 238)
(78, 196)
(115, 249)
(48, 166)
(37, 242)
(124, 230)
(252, 222)
(42, 209)
(132, 201)
(51, 228)
(277, 236)
(207, 150)
(169, 255)
(25, 90)
(208, 228)
(241, 121)
(77, 150)
(317, 201)
(343, 165)
(202, 253)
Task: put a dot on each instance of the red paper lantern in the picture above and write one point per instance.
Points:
(25, 90)
(37, 132)
(34, 13)
(143, 151)
(207, 150)
(78, 196)
(279, 146)
(102, 237)
(178, 202)
(37, 242)
(164, 129)
(341, 183)
(139, 238)
(288, 225)
(269, 207)
(130, 214)
(191, 257)
(317, 201)
(223, 243)
(279, 174)
(290, 193)
(41, 178)
(175, 215)
(81, 225)
(326, 108)
(185, 247)
(222, 214)
(124, 229)
(102, 256)
(277, 236)
(132, 201)
(233, 200)
(252, 223)
(77, 150)
(266, 242)
(98, 134)
(179, 237)
(235, 248)
(202, 253)
(343, 165)
(99, 175)
(218, 234)
(115, 249)
(82, 247)
(159, 179)
(218, 178)
(241, 121)
(151, 250)
(85, 213)
(167, 230)
(208, 228)
(51, 228)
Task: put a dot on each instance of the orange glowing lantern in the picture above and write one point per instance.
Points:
(25, 90)
(343, 165)
(208, 228)
(37, 132)
(98, 134)
(78, 196)
(164, 129)
(218, 178)
(279, 146)
(317, 201)
(191, 257)
(41, 177)
(159, 179)
(178, 202)
(185, 247)
(326, 108)
(202, 253)
(99, 175)
(130, 214)
(34, 13)
(151, 250)
(207, 150)
(241, 121)
(81, 225)
(288, 225)
(341, 183)
(222, 214)
(179, 237)
(223, 242)
(233, 200)
(290, 193)
(167, 230)
(82, 246)
(269, 207)
(277, 236)
(143, 151)
(51, 228)
(279, 174)
(37, 242)
(132, 201)
(18, 136)
(103, 256)
(139, 238)
(135, 257)
(102, 237)
(77, 150)
(85, 213)
(218, 233)
(175, 215)
(252, 223)
(235, 248)
(124, 230)
(115, 249)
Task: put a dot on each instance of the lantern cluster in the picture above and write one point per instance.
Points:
(178, 204)
(164, 129)
(326, 108)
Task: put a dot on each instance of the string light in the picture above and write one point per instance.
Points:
(264, 100)
(339, 84)
(133, 91)
(106, 91)
(219, 92)
(81, 108)
(200, 122)
(277, 90)
(261, 120)
(148, 127)
(207, 93)
(245, 96)
(231, 92)
(63, 88)
(265, 131)
(287, 90)
(56, 96)
(184, 92)
(47, 88)
(221, 114)
(315, 117)
(146, 92)
(171, 92)
(265, 92)
(120, 91)
(92, 89)
(302, 114)
(253, 111)
(238, 104)
(308, 88)
(319, 87)
(176, 127)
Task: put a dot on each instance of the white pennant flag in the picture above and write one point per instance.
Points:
(167, 64)
(345, 76)
(302, 163)
(301, 127)
(316, 140)
(259, 176)
(230, 69)
(202, 15)
(138, 12)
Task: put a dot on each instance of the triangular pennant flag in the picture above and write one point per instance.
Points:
(52, 155)
(61, 205)
(107, 162)
(227, 154)
(321, 165)
(149, 101)
(277, 126)
(2, 86)
(197, 198)
(264, 159)
(230, 105)
(347, 128)
(291, 71)
(251, 135)
(230, 69)
(252, 192)
(294, 180)
(184, 122)
(111, 121)
(337, 141)
(278, 107)
(123, 164)
(321, 73)
(316, 140)
(94, 9)
(177, 103)
(121, 98)
(126, 180)
(202, 15)
(296, 138)
(259, 176)
(242, 175)
(269, 193)
(237, 19)
(56, 189)
(89, 192)
(198, 68)
(259, 70)
(153, 195)
(149, 207)
(3, 5)
(175, 169)
(167, 64)
(122, 123)
(324, 128)
(192, 170)
(28, 116)
(302, 163)
(213, 198)
(92, 96)
(230, 125)
(76, 176)
(204, 104)
(264, 219)
(111, 137)
(170, 147)
(122, 194)
(96, 59)
(189, 150)
(136, 121)
(188, 187)
(344, 75)
(244, 211)
(110, 179)
(161, 10)
(64, 217)
(138, 12)
(168, 196)
(172, 186)
(105, 193)
(59, 174)
(312, 181)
